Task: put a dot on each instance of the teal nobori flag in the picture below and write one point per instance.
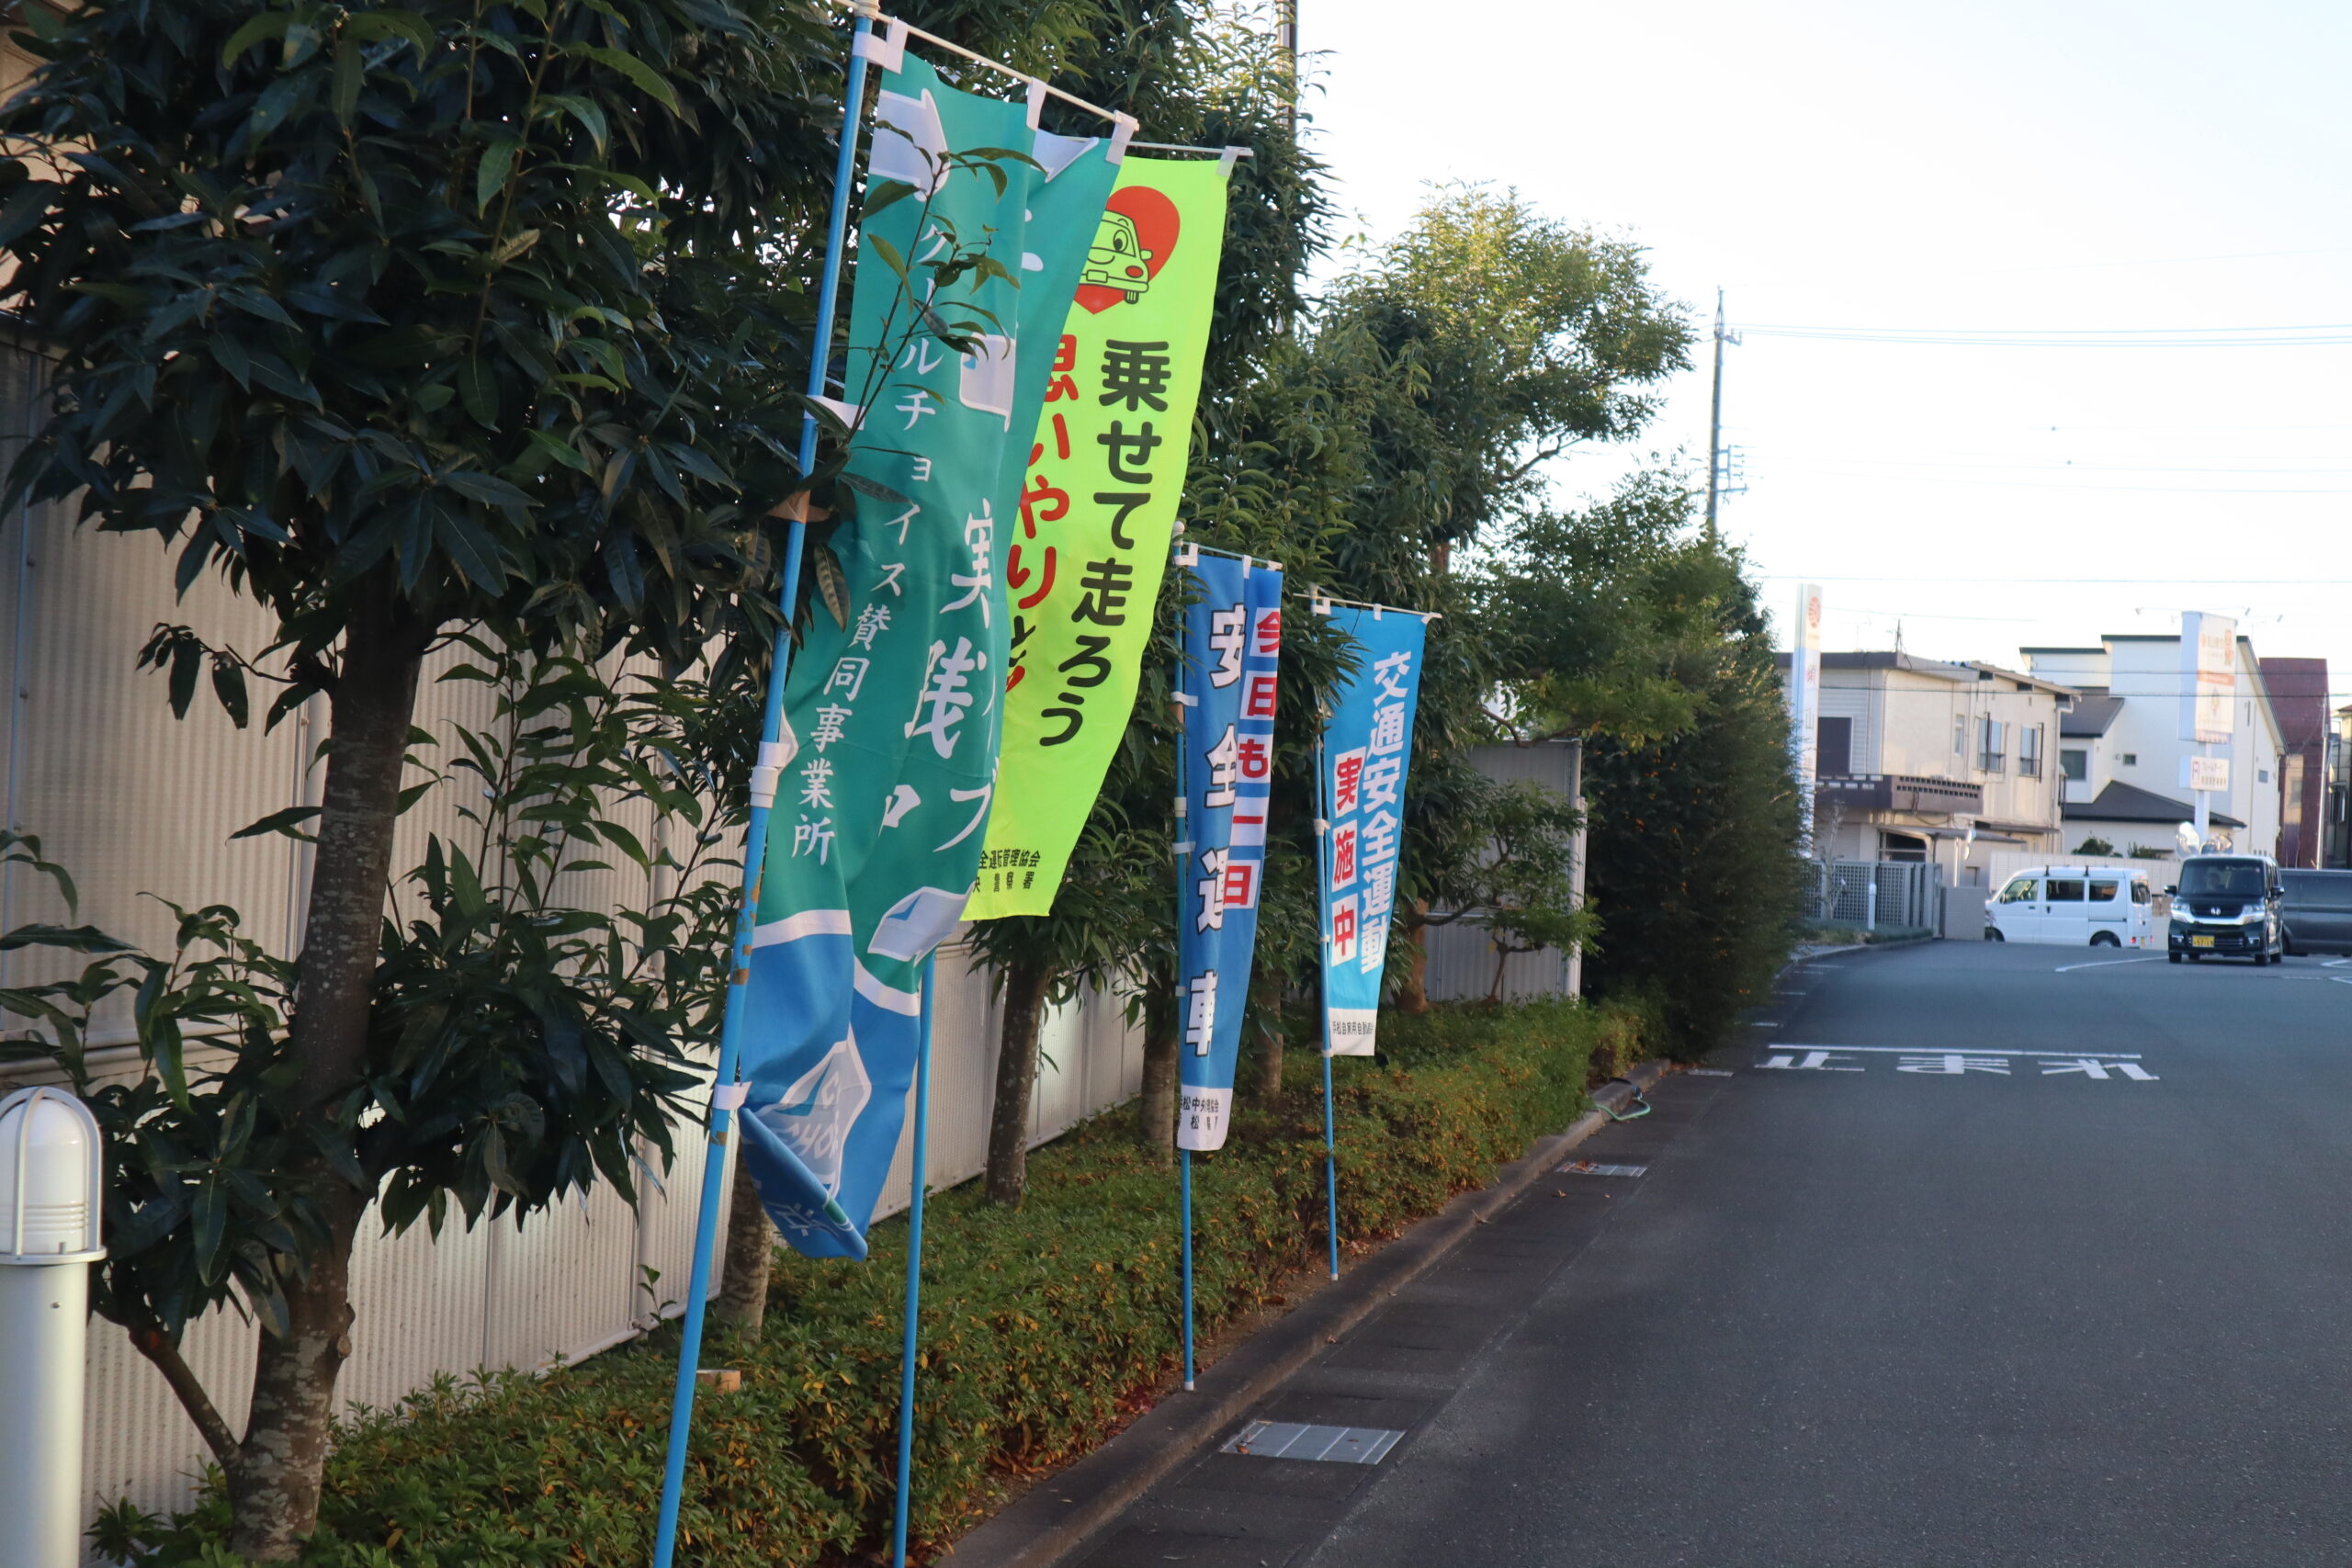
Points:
(894, 710)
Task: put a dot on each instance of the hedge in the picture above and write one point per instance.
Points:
(1043, 1330)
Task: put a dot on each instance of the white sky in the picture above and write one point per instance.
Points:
(1994, 164)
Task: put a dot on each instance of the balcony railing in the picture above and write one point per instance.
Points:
(1901, 792)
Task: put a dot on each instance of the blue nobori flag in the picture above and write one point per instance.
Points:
(1367, 744)
(1232, 640)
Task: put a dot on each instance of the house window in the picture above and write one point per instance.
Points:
(2128, 760)
(2262, 775)
(2074, 764)
(1834, 747)
(1907, 847)
(1960, 735)
(1991, 745)
(2029, 750)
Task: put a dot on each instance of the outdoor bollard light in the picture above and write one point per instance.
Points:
(48, 1238)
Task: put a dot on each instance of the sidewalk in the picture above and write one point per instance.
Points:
(1372, 1352)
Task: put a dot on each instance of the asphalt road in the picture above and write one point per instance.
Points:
(2058, 1270)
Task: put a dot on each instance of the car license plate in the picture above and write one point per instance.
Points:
(2200, 941)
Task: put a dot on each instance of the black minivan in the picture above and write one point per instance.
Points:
(2318, 911)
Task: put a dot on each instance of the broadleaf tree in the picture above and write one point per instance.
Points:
(404, 321)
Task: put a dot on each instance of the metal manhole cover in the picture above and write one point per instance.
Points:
(1332, 1445)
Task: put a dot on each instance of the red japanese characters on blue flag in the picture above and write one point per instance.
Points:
(1231, 644)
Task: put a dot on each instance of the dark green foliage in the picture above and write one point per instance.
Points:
(1043, 1330)
(1624, 624)
(369, 295)
(518, 1046)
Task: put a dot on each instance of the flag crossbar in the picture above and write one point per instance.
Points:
(1321, 603)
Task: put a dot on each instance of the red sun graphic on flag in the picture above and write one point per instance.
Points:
(1134, 240)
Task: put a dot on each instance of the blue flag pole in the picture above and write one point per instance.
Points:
(1184, 1165)
(1323, 966)
(755, 836)
(1186, 702)
(921, 1182)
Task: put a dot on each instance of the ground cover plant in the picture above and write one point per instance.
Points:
(1044, 1329)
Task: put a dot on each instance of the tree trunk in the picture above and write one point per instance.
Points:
(743, 1300)
(1155, 1107)
(273, 1485)
(1016, 1081)
(1266, 1009)
(1413, 995)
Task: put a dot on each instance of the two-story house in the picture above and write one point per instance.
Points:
(2298, 695)
(2124, 763)
(1917, 759)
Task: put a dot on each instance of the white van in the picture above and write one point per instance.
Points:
(2101, 905)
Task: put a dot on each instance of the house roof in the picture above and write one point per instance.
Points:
(2128, 802)
(2023, 679)
(1894, 660)
(2091, 716)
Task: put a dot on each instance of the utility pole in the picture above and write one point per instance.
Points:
(1286, 40)
(1716, 423)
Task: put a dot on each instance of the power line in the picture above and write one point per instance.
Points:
(2126, 582)
(2326, 334)
(2037, 484)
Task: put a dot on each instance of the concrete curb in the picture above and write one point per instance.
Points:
(1058, 1515)
(1793, 964)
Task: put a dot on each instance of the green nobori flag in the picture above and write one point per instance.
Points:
(977, 231)
(1105, 471)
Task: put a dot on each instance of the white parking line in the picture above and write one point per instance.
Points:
(2105, 963)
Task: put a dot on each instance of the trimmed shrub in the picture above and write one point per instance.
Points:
(1043, 1331)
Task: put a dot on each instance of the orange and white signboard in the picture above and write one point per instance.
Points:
(2208, 675)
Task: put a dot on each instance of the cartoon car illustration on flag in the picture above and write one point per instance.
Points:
(1116, 258)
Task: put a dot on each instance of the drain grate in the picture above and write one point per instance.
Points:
(1333, 1445)
(1588, 1168)
(1706, 1073)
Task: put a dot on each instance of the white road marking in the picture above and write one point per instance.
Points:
(1973, 1051)
(1587, 1168)
(2338, 963)
(2105, 963)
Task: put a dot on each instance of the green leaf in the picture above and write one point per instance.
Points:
(257, 30)
(563, 452)
(881, 195)
(73, 939)
(487, 488)
(349, 72)
(591, 117)
(229, 687)
(649, 81)
(477, 387)
(874, 487)
(285, 822)
(887, 252)
(490, 175)
(407, 24)
(187, 660)
(472, 552)
(831, 585)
